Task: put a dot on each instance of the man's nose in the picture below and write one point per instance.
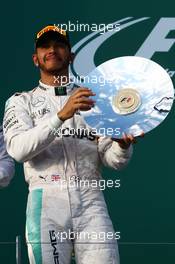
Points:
(51, 49)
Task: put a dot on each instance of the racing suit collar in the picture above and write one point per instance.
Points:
(53, 89)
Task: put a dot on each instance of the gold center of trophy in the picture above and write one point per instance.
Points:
(126, 101)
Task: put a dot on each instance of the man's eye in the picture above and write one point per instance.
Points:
(46, 46)
(60, 45)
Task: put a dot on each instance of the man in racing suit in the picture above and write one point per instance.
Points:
(6, 163)
(55, 164)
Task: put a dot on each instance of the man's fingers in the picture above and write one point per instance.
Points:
(81, 90)
(85, 100)
(142, 135)
(124, 138)
(128, 139)
(132, 138)
(83, 107)
(83, 94)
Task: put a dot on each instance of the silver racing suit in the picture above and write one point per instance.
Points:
(58, 204)
(6, 163)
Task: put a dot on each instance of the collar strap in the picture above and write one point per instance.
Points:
(58, 90)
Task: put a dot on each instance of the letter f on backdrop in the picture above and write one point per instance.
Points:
(157, 41)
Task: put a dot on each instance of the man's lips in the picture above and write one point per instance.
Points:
(53, 57)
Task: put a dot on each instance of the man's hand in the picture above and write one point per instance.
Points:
(127, 140)
(77, 101)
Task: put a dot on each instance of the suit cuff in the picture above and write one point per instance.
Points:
(125, 153)
(55, 122)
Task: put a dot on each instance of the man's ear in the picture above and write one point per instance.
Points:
(35, 59)
(72, 56)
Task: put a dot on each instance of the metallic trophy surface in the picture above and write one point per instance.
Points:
(133, 95)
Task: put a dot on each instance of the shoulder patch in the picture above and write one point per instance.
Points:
(20, 94)
(17, 94)
(11, 97)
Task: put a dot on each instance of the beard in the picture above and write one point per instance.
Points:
(53, 67)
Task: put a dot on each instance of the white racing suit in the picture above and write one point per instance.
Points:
(6, 163)
(52, 166)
